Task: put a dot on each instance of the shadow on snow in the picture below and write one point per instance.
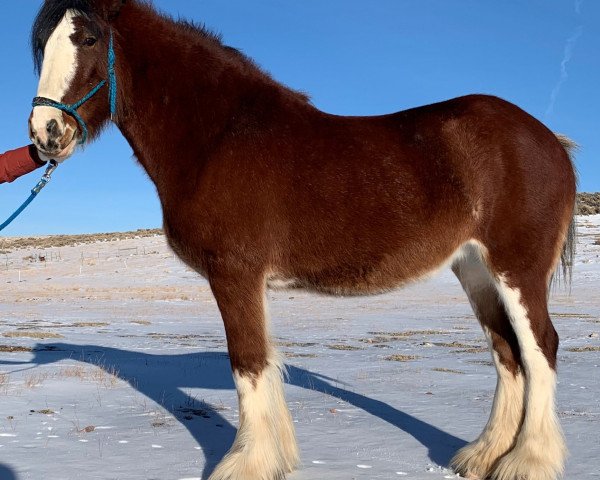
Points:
(162, 378)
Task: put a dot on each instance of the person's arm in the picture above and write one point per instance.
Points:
(16, 163)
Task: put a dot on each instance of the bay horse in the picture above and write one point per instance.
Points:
(259, 188)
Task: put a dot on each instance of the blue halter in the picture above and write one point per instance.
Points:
(72, 109)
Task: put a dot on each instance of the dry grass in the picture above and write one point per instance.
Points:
(571, 315)
(36, 379)
(89, 324)
(487, 363)
(74, 371)
(377, 339)
(299, 355)
(28, 334)
(448, 370)
(343, 347)
(295, 344)
(589, 348)
(401, 358)
(409, 333)
(471, 350)
(107, 377)
(588, 203)
(141, 322)
(14, 348)
(456, 345)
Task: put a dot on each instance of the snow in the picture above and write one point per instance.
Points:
(136, 382)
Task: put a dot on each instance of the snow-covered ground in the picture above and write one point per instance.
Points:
(124, 373)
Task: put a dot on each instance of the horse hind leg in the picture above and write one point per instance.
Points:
(477, 460)
(539, 451)
(265, 445)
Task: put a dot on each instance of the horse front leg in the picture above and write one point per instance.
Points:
(265, 445)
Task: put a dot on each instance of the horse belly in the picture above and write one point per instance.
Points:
(367, 277)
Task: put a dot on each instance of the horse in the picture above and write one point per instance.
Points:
(260, 189)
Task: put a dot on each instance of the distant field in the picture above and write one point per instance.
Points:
(7, 245)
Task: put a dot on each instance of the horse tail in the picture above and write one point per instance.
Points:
(567, 256)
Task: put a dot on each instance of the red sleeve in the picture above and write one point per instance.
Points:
(15, 163)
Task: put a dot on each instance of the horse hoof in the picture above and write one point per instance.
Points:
(239, 465)
(475, 461)
(519, 466)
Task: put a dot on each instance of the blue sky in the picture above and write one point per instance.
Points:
(353, 57)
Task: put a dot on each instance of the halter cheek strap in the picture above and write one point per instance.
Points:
(71, 109)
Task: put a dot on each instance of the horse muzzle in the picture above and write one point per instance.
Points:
(53, 132)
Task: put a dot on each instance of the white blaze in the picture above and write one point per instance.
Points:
(58, 70)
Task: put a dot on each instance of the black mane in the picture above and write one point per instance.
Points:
(47, 19)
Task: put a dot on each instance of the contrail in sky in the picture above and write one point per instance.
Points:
(564, 74)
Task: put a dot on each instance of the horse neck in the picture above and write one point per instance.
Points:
(180, 93)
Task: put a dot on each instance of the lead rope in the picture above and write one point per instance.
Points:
(52, 165)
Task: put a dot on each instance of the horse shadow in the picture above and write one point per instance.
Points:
(162, 378)
(7, 473)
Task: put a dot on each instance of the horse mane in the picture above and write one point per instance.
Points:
(214, 40)
(52, 12)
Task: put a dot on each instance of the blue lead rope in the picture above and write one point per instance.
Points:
(34, 193)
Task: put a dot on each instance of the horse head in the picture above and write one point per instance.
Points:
(72, 42)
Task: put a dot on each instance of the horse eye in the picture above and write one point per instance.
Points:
(89, 42)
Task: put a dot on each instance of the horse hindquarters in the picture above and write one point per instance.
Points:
(265, 445)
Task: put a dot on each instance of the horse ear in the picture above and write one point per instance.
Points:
(112, 8)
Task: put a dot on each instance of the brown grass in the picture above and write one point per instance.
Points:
(456, 345)
(448, 370)
(13, 349)
(571, 315)
(377, 339)
(590, 348)
(89, 324)
(487, 363)
(107, 377)
(471, 350)
(343, 347)
(36, 379)
(299, 355)
(74, 371)
(409, 333)
(401, 358)
(27, 334)
(295, 344)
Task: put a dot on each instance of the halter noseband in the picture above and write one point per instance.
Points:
(72, 109)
